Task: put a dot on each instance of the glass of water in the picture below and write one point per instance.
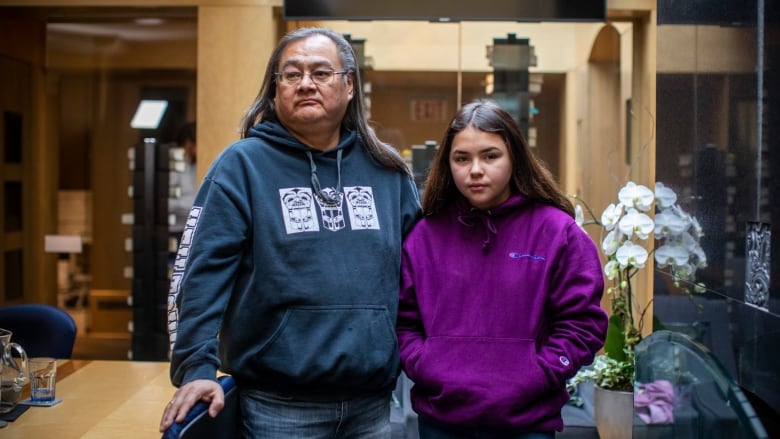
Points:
(43, 378)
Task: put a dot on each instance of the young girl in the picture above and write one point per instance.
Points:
(500, 291)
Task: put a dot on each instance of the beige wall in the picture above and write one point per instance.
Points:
(234, 43)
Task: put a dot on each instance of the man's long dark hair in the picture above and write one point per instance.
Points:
(263, 107)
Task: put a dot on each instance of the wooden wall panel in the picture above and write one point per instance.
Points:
(23, 264)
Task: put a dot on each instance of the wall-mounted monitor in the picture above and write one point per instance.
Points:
(447, 10)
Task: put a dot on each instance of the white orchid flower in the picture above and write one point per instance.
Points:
(687, 241)
(636, 223)
(611, 269)
(683, 272)
(695, 229)
(611, 243)
(637, 196)
(699, 256)
(667, 223)
(611, 216)
(664, 196)
(691, 245)
(671, 254)
(677, 234)
(680, 212)
(631, 255)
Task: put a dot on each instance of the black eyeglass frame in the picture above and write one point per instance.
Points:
(280, 79)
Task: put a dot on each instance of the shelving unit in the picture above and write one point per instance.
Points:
(150, 164)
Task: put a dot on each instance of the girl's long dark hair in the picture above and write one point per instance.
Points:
(530, 177)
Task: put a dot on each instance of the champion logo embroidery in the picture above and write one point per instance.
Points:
(563, 360)
(518, 255)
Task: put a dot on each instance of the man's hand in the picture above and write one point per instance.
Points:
(187, 396)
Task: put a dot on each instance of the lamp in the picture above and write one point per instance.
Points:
(62, 244)
(67, 246)
(149, 114)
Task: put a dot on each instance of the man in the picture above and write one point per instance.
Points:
(288, 272)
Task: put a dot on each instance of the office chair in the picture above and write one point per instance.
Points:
(42, 330)
(198, 424)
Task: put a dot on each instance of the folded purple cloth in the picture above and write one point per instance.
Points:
(654, 403)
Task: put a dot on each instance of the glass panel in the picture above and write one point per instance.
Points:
(680, 375)
(97, 100)
(707, 137)
(413, 97)
(705, 154)
(755, 335)
(718, 118)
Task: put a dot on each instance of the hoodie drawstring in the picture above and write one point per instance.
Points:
(467, 219)
(315, 182)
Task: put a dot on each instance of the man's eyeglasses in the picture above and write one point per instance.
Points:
(319, 77)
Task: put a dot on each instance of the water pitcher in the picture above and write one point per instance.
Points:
(13, 371)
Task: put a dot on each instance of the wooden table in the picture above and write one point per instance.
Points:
(100, 399)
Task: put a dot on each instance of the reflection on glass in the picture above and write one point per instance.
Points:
(718, 103)
(707, 402)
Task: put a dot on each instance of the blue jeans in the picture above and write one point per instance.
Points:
(270, 416)
(430, 429)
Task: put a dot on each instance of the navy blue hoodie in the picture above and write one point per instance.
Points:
(286, 291)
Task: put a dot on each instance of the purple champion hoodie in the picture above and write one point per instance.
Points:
(497, 310)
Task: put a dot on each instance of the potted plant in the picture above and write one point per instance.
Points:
(626, 230)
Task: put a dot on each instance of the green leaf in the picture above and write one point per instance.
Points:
(616, 339)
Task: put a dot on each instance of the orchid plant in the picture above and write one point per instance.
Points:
(628, 228)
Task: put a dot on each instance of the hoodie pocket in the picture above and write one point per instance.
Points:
(334, 346)
(484, 377)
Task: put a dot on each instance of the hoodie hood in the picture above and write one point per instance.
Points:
(275, 134)
(470, 216)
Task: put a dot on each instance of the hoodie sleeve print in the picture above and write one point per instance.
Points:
(206, 283)
(577, 323)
